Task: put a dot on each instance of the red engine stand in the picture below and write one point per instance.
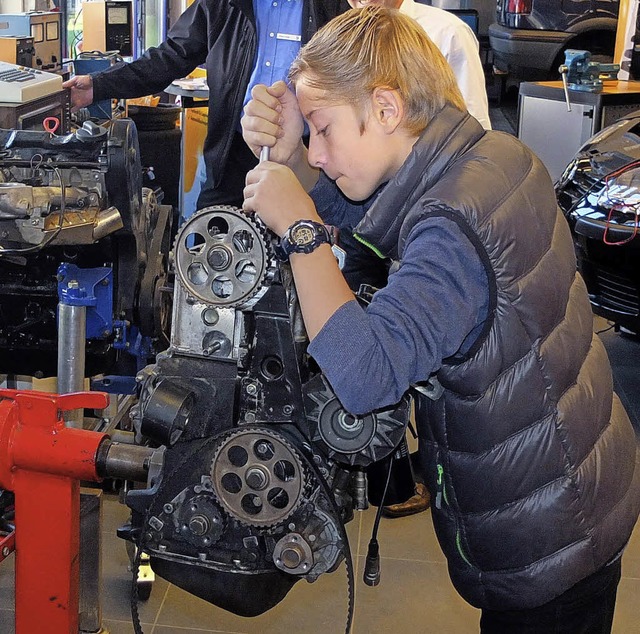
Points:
(42, 462)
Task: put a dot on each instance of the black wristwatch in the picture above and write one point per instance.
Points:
(303, 236)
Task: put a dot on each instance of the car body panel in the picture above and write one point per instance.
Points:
(599, 194)
(530, 45)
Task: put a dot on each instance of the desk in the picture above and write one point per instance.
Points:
(193, 122)
(554, 133)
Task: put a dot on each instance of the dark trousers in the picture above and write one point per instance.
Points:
(586, 608)
(241, 160)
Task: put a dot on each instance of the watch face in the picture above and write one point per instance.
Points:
(302, 235)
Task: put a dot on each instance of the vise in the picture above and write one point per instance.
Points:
(579, 73)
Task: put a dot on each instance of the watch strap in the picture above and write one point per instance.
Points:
(314, 233)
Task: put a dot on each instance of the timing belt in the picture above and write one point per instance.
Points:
(345, 550)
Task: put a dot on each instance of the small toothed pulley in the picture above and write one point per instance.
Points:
(257, 476)
(223, 257)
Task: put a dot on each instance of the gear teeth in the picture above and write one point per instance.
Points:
(239, 514)
(265, 263)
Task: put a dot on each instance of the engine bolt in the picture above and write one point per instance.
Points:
(168, 508)
(5, 551)
(219, 258)
(252, 389)
(210, 316)
(256, 479)
(198, 525)
(264, 450)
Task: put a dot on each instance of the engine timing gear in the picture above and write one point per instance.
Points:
(257, 476)
(223, 258)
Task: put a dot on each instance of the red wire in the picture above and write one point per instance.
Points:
(619, 206)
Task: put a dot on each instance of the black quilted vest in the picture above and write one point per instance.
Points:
(529, 455)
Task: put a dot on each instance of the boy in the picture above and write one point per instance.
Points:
(528, 452)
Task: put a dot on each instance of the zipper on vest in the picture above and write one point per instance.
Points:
(440, 487)
(459, 547)
(369, 245)
(441, 493)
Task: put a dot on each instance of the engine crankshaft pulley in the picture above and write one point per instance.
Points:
(257, 476)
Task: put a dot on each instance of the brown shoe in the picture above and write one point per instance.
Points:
(415, 504)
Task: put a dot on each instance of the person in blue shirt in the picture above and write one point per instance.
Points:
(527, 450)
(240, 43)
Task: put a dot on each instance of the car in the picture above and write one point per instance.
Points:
(599, 194)
(529, 37)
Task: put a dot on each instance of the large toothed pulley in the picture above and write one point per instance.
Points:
(223, 257)
(257, 476)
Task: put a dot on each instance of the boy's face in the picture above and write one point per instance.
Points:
(359, 161)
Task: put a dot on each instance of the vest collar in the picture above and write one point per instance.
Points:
(447, 136)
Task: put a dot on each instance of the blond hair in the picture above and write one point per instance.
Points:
(363, 49)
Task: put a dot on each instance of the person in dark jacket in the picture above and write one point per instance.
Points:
(237, 50)
(528, 452)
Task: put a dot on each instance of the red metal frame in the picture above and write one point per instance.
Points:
(7, 545)
(42, 461)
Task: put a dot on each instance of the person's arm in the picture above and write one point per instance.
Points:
(81, 88)
(185, 48)
(276, 195)
(433, 307)
(272, 119)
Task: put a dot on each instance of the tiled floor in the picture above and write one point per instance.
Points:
(414, 596)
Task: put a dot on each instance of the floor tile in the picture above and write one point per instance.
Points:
(625, 619)
(411, 593)
(125, 627)
(410, 537)
(7, 618)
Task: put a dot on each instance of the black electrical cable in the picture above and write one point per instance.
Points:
(371, 575)
(607, 329)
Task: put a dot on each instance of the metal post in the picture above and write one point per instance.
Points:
(72, 326)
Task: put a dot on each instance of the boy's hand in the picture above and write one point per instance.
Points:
(272, 118)
(81, 87)
(276, 195)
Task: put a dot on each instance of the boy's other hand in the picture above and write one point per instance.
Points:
(272, 118)
(81, 87)
(276, 195)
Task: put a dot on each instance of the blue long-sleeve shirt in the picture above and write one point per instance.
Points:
(432, 308)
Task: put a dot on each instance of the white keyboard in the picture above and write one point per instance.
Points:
(19, 84)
